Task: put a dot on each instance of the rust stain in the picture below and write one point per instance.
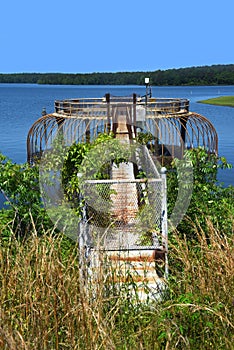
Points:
(133, 258)
(136, 279)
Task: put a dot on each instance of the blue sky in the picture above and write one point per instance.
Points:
(80, 36)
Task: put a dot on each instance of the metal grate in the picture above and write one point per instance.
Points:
(122, 214)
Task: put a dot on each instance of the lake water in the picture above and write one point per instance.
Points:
(22, 104)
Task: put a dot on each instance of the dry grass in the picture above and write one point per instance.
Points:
(45, 305)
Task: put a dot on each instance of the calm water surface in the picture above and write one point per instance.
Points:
(21, 105)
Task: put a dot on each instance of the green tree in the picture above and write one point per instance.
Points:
(210, 200)
(20, 186)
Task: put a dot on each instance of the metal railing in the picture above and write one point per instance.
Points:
(161, 105)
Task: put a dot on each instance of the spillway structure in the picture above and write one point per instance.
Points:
(125, 214)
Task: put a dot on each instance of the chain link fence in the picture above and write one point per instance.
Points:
(122, 214)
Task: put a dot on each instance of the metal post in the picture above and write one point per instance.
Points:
(164, 218)
(83, 238)
(43, 112)
(87, 130)
(134, 115)
(108, 112)
(183, 129)
(146, 90)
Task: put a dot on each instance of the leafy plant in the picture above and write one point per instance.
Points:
(209, 198)
(19, 184)
(144, 137)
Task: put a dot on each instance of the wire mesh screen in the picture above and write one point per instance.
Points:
(146, 163)
(122, 214)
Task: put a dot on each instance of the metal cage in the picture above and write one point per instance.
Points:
(170, 124)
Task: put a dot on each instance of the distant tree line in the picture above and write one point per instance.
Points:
(204, 75)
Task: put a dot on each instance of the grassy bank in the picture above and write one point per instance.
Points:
(44, 304)
(220, 101)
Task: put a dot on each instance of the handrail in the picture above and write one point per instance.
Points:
(123, 181)
(163, 105)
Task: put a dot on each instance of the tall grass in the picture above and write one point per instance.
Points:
(44, 303)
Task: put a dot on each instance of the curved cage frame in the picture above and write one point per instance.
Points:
(172, 126)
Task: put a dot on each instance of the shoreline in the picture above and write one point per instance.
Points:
(224, 101)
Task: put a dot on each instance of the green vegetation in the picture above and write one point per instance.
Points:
(20, 186)
(44, 303)
(209, 201)
(220, 101)
(204, 75)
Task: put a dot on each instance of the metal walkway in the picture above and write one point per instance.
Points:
(125, 252)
